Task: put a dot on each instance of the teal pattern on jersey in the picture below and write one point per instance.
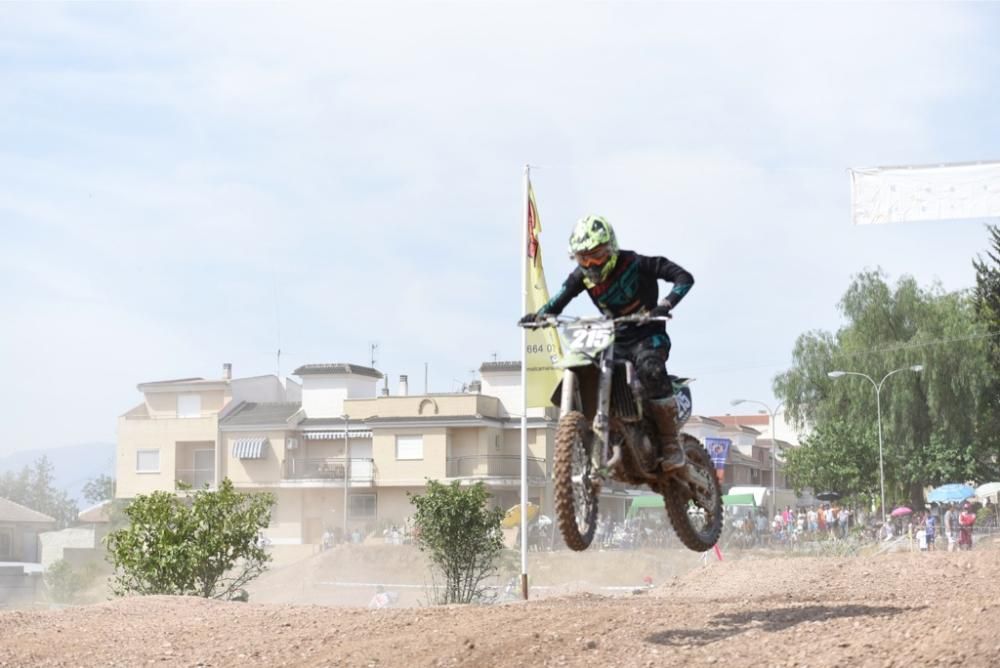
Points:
(619, 292)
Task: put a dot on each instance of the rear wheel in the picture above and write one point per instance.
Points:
(695, 506)
(575, 492)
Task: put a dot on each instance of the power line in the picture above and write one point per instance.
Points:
(922, 344)
(859, 352)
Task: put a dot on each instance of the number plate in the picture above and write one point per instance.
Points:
(590, 339)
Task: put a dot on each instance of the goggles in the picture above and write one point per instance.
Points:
(594, 258)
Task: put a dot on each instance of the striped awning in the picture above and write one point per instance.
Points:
(249, 448)
(335, 435)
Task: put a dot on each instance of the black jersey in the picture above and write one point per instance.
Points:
(631, 287)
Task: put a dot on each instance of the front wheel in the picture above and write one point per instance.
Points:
(575, 492)
(695, 505)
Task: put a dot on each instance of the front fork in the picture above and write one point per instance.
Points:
(610, 455)
(571, 400)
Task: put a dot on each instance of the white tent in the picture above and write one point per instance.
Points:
(988, 491)
(762, 496)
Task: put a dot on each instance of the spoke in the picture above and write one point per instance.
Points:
(581, 485)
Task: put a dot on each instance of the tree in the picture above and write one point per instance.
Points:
(33, 487)
(987, 300)
(101, 488)
(206, 544)
(461, 535)
(929, 419)
(834, 457)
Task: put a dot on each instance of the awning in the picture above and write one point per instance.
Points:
(334, 435)
(249, 448)
(739, 500)
(645, 501)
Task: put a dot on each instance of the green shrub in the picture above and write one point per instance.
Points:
(462, 536)
(207, 544)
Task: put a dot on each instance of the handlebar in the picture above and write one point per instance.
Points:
(555, 320)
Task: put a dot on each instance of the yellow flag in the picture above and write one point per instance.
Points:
(543, 347)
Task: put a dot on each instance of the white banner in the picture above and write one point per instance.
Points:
(933, 192)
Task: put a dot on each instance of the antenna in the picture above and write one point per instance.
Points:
(425, 378)
(494, 358)
(373, 348)
(277, 320)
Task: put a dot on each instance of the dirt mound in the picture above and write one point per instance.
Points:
(815, 578)
(347, 575)
(892, 610)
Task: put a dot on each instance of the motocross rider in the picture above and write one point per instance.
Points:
(622, 282)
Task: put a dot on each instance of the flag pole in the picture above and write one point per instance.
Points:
(524, 388)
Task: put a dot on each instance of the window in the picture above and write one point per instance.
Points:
(409, 447)
(188, 405)
(361, 506)
(6, 543)
(147, 461)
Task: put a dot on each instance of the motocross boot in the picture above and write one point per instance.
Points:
(664, 414)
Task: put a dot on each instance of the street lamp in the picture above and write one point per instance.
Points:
(774, 443)
(347, 468)
(878, 404)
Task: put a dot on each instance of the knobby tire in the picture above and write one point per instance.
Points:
(573, 431)
(676, 497)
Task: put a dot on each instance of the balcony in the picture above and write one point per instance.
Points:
(196, 478)
(494, 466)
(330, 468)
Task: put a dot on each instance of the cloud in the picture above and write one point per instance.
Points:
(190, 178)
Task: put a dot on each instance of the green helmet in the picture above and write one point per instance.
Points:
(594, 247)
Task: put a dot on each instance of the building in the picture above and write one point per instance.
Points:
(20, 553)
(172, 435)
(762, 423)
(19, 529)
(336, 454)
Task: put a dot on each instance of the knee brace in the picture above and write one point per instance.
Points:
(652, 370)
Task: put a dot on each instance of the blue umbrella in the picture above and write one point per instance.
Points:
(953, 492)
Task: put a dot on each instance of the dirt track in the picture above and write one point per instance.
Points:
(905, 609)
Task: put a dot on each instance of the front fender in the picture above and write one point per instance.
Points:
(586, 379)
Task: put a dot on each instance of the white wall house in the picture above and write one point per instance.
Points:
(325, 387)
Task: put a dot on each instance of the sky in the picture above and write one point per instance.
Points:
(188, 184)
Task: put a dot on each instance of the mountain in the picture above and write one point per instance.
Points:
(73, 465)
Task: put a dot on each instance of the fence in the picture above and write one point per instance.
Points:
(330, 468)
(196, 478)
(494, 466)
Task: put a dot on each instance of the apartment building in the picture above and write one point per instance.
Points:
(339, 454)
(172, 435)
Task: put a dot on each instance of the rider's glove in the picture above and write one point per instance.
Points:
(530, 319)
(661, 310)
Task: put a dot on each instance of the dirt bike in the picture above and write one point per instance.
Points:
(604, 434)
